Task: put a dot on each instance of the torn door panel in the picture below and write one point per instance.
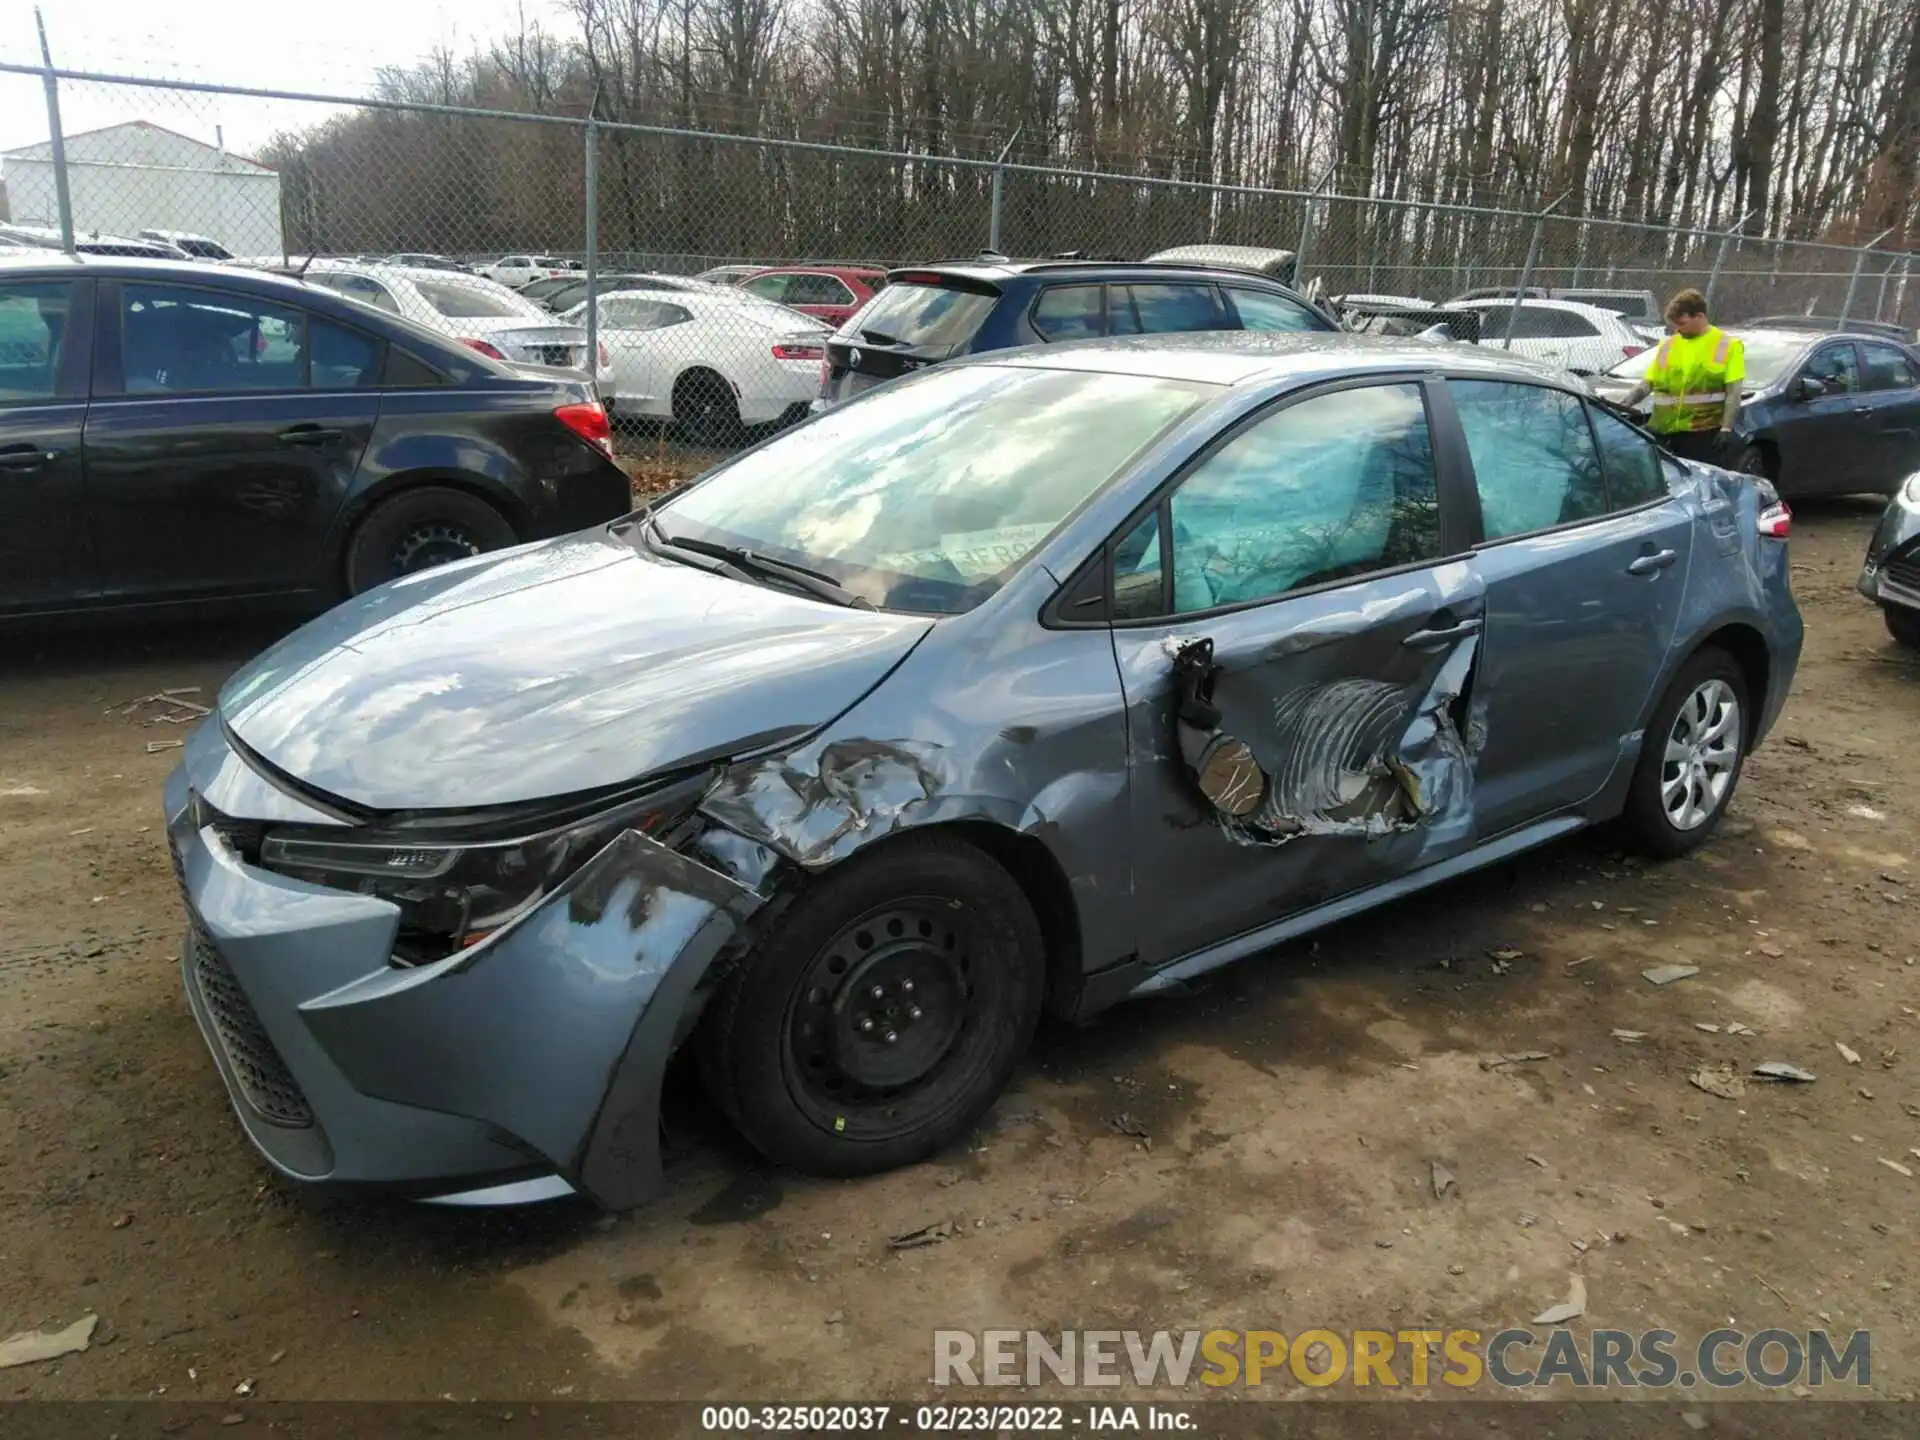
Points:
(1347, 756)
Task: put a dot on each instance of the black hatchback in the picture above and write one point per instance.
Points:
(180, 432)
(929, 313)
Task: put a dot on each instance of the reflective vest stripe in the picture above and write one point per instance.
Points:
(1720, 350)
(1698, 397)
(1665, 354)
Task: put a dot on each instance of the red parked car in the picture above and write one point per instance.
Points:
(829, 292)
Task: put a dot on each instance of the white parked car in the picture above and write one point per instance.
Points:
(711, 360)
(1582, 338)
(472, 309)
(514, 271)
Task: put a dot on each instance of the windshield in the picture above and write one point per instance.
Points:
(1767, 357)
(470, 302)
(929, 495)
(920, 315)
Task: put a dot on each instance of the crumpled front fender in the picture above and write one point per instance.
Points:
(558, 1030)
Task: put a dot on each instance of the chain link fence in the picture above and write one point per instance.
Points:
(493, 227)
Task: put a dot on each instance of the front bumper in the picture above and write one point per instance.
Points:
(535, 1054)
(1891, 572)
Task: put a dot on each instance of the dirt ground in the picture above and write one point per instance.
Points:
(1255, 1154)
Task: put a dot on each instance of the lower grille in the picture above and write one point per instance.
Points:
(262, 1075)
(1904, 571)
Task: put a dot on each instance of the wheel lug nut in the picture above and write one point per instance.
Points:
(876, 993)
(866, 1026)
(891, 1036)
(906, 987)
(913, 1012)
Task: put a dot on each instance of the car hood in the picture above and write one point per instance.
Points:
(548, 670)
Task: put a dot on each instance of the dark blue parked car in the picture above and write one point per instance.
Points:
(930, 313)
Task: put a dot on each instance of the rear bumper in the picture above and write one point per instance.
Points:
(533, 1056)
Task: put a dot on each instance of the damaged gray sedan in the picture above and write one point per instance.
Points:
(1025, 684)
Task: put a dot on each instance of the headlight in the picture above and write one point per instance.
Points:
(1910, 492)
(454, 892)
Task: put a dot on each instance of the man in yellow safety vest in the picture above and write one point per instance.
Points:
(1695, 383)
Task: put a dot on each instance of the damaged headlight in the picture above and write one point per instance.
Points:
(456, 884)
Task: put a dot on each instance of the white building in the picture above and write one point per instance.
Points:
(139, 176)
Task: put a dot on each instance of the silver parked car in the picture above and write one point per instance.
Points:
(1891, 576)
(1024, 683)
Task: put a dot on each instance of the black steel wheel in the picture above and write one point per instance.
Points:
(884, 1014)
(1903, 625)
(418, 529)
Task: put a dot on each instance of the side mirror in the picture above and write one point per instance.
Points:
(1808, 388)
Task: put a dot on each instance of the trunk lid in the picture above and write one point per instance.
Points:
(919, 319)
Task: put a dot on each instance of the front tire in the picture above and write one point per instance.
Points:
(1691, 758)
(419, 529)
(883, 1015)
(1903, 625)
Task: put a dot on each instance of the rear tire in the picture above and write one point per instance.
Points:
(1903, 625)
(884, 1013)
(419, 529)
(1691, 756)
(705, 408)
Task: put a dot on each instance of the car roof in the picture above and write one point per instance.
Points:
(1570, 307)
(1241, 357)
(998, 269)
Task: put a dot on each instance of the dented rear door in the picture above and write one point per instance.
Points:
(1296, 665)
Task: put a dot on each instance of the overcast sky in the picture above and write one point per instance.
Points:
(332, 48)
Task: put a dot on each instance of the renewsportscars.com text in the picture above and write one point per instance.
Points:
(1457, 1357)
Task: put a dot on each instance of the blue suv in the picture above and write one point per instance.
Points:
(929, 313)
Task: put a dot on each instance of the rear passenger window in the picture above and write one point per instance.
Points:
(1168, 309)
(1331, 488)
(1070, 312)
(1534, 461)
(178, 340)
(33, 325)
(1634, 471)
(343, 359)
(1261, 311)
(1888, 368)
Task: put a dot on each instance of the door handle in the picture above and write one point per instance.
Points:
(309, 435)
(26, 457)
(1650, 564)
(1863, 409)
(1435, 636)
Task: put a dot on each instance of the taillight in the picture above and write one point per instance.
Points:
(1776, 521)
(605, 360)
(1632, 350)
(492, 352)
(799, 350)
(588, 421)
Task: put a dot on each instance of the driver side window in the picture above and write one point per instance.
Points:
(1328, 489)
(1836, 368)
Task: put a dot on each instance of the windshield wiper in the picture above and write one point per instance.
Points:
(743, 563)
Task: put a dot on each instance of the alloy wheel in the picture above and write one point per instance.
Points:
(1702, 754)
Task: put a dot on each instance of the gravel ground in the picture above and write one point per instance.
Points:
(1257, 1153)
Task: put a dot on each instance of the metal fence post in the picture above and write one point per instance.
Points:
(592, 183)
(1720, 255)
(1859, 263)
(1306, 228)
(1526, 268)
(62, 198)
(997, 190)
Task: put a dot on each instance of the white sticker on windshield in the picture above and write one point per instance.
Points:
(972, 552)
